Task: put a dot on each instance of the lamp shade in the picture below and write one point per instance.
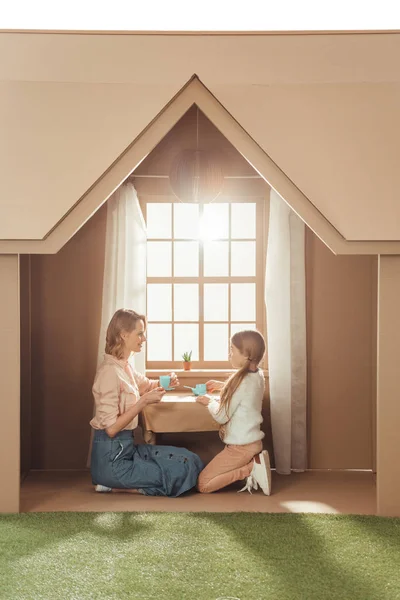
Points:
(197, 176)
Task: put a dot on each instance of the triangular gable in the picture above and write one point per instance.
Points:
(194, 92)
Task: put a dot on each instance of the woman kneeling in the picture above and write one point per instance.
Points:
(120, 394)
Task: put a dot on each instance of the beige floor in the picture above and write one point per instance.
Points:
(314, 491)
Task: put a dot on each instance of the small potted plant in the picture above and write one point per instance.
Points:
(187, 360)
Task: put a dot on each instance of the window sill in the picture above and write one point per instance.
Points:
(209, 373)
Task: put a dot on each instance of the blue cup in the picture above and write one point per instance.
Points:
(200, 389)
(165, 380)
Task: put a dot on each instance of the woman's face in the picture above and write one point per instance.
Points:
(135, 339)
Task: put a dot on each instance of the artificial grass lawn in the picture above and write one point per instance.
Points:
(198, 556)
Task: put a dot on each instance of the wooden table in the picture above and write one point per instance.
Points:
(177, 412)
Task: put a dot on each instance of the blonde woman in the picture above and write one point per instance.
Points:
(238, 411)
(120, 393)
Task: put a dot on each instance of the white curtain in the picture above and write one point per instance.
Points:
(285, 300)
(124, 282)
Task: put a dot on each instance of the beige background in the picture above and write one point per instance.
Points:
(388, 465)
(66, 310)
(65, 313)
(324, 107)
(26, 374)
(9, 382)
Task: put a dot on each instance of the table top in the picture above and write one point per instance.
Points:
(178, 411)
(178, 397)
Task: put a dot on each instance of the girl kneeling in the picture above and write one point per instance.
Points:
(239, 413)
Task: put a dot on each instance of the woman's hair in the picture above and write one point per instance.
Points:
(123, 320)
(251, 344)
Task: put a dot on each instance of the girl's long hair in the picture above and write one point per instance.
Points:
(251, 344)
(123, 320)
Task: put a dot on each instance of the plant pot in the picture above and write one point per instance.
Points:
(187, 365)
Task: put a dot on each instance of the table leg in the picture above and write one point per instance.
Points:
(149, 437)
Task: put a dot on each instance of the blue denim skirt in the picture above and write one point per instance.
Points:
(155, 470)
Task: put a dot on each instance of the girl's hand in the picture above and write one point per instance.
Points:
(214, 386)
(174, 380)
(203, 400)
(153, 396)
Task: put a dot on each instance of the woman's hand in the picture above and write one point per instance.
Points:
(153, 396)
(203, 400)
(174, 380)
(214, 386)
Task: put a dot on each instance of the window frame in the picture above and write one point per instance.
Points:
(262, 214)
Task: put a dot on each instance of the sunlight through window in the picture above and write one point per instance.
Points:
(204, 281)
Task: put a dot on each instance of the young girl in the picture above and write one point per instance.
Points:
(120, 394)
(239, 413)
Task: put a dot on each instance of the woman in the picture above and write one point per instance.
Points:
(120, 394)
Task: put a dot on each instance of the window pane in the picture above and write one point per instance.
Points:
(216, 342)
(159, 302)
(243, 257)
(186, 259)
(216, 259)
(186, 302)
(186, 338)
(159, 342)
(186, 221)
(216, 302)
(158, 220)
(159, 259)
(215, 222)
(243, 302)
(235, 327)
(243, 220)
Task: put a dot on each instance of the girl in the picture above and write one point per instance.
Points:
(120, 394)
(239, 413)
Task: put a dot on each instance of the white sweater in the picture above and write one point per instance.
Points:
(243, 418)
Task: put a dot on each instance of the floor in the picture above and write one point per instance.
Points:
(346, 492)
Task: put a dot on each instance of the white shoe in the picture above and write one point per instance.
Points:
(261, 473)
(102, 488)
(251, 484)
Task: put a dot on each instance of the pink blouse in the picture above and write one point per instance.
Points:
(116, 388)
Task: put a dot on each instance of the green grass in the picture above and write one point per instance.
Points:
(198, 556)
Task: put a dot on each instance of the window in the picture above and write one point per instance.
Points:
(205, 278)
